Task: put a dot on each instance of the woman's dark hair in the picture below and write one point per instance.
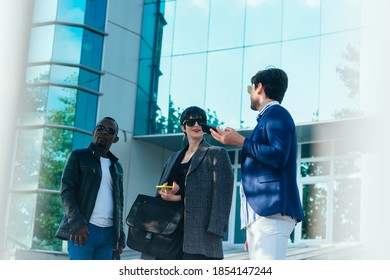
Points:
(274, 82)
(193, 112)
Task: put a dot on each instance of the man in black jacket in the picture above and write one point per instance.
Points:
(92, 197)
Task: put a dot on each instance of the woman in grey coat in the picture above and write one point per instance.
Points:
(202, 179)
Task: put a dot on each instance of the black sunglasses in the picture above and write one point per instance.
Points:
(191, 122)
(109, 130)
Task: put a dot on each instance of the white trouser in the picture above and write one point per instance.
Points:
(267, 237)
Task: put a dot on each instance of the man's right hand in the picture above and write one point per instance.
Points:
(80, 236)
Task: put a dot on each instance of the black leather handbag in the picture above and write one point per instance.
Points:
(156, 227)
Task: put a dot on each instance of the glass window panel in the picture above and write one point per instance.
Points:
(21, 220)
(34, 105)
(314, 203)
(347, 165)
(239, 175)
(27, 159)
(315, 149)
(263, 22)
(89, 80)
(340, 15)
(318, 168)
(67, 46)
(41, 43)
(164, 84)
(301, 63)
(226, 24)
(86, 110)
(191, 26)
(92, 48)
(56, 146)
(48, 216)
(61, 105)
(64, 75)
(346, 209)
(347, 147)
(224, 90)
(95, 15)
(188, 88)
(301, 18)
(72, 11)
(255, 59)
(168, 30)
(37, 74)
(44, 10)
(81, 140)
(339, 76)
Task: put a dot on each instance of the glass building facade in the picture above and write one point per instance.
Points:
(58, 113)
(211, 49)
(189, 52)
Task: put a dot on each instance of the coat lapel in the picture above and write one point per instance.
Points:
(198, 156)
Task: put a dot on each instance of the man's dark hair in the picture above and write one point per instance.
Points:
(114, 121)
(274, 81)
(193, 112)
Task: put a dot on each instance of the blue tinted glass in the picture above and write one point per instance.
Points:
(89, 80)
(67, 44)
(41, 44)
(86, 110)
(226, 19)
(263, 22)
(64, 75)
(91, 53)
(301, 60)
(44, 10)
(61, 105)
(191, 26)
(37, 74)
(81, 140)
(226, 86)
(72, 11)
(95, 14)
(301, 18)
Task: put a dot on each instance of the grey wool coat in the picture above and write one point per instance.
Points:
(208, 197)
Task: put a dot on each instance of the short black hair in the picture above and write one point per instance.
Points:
(274, 81)
(113, 120)
(193, 112)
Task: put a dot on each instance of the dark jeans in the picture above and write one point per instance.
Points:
(99, 245)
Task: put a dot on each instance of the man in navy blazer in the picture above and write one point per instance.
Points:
(270, 200)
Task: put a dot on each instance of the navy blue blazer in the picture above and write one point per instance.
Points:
(269, 165)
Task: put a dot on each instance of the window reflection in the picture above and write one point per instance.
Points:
(44, 10)
(20, 225)
(346, 209)
(48, 214)
(309, 169)
(315, 208)
(191, 26)
(336, 85)
(226, 17)
(72, 11)
(27, 159)
(223, 89)
(301, 19)
(263, 22)
(41, 44)
(303, 87)
(67, 44)
(61, 105)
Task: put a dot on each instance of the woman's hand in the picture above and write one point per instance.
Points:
(170, 194)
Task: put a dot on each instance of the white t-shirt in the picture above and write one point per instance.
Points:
(103, 213)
